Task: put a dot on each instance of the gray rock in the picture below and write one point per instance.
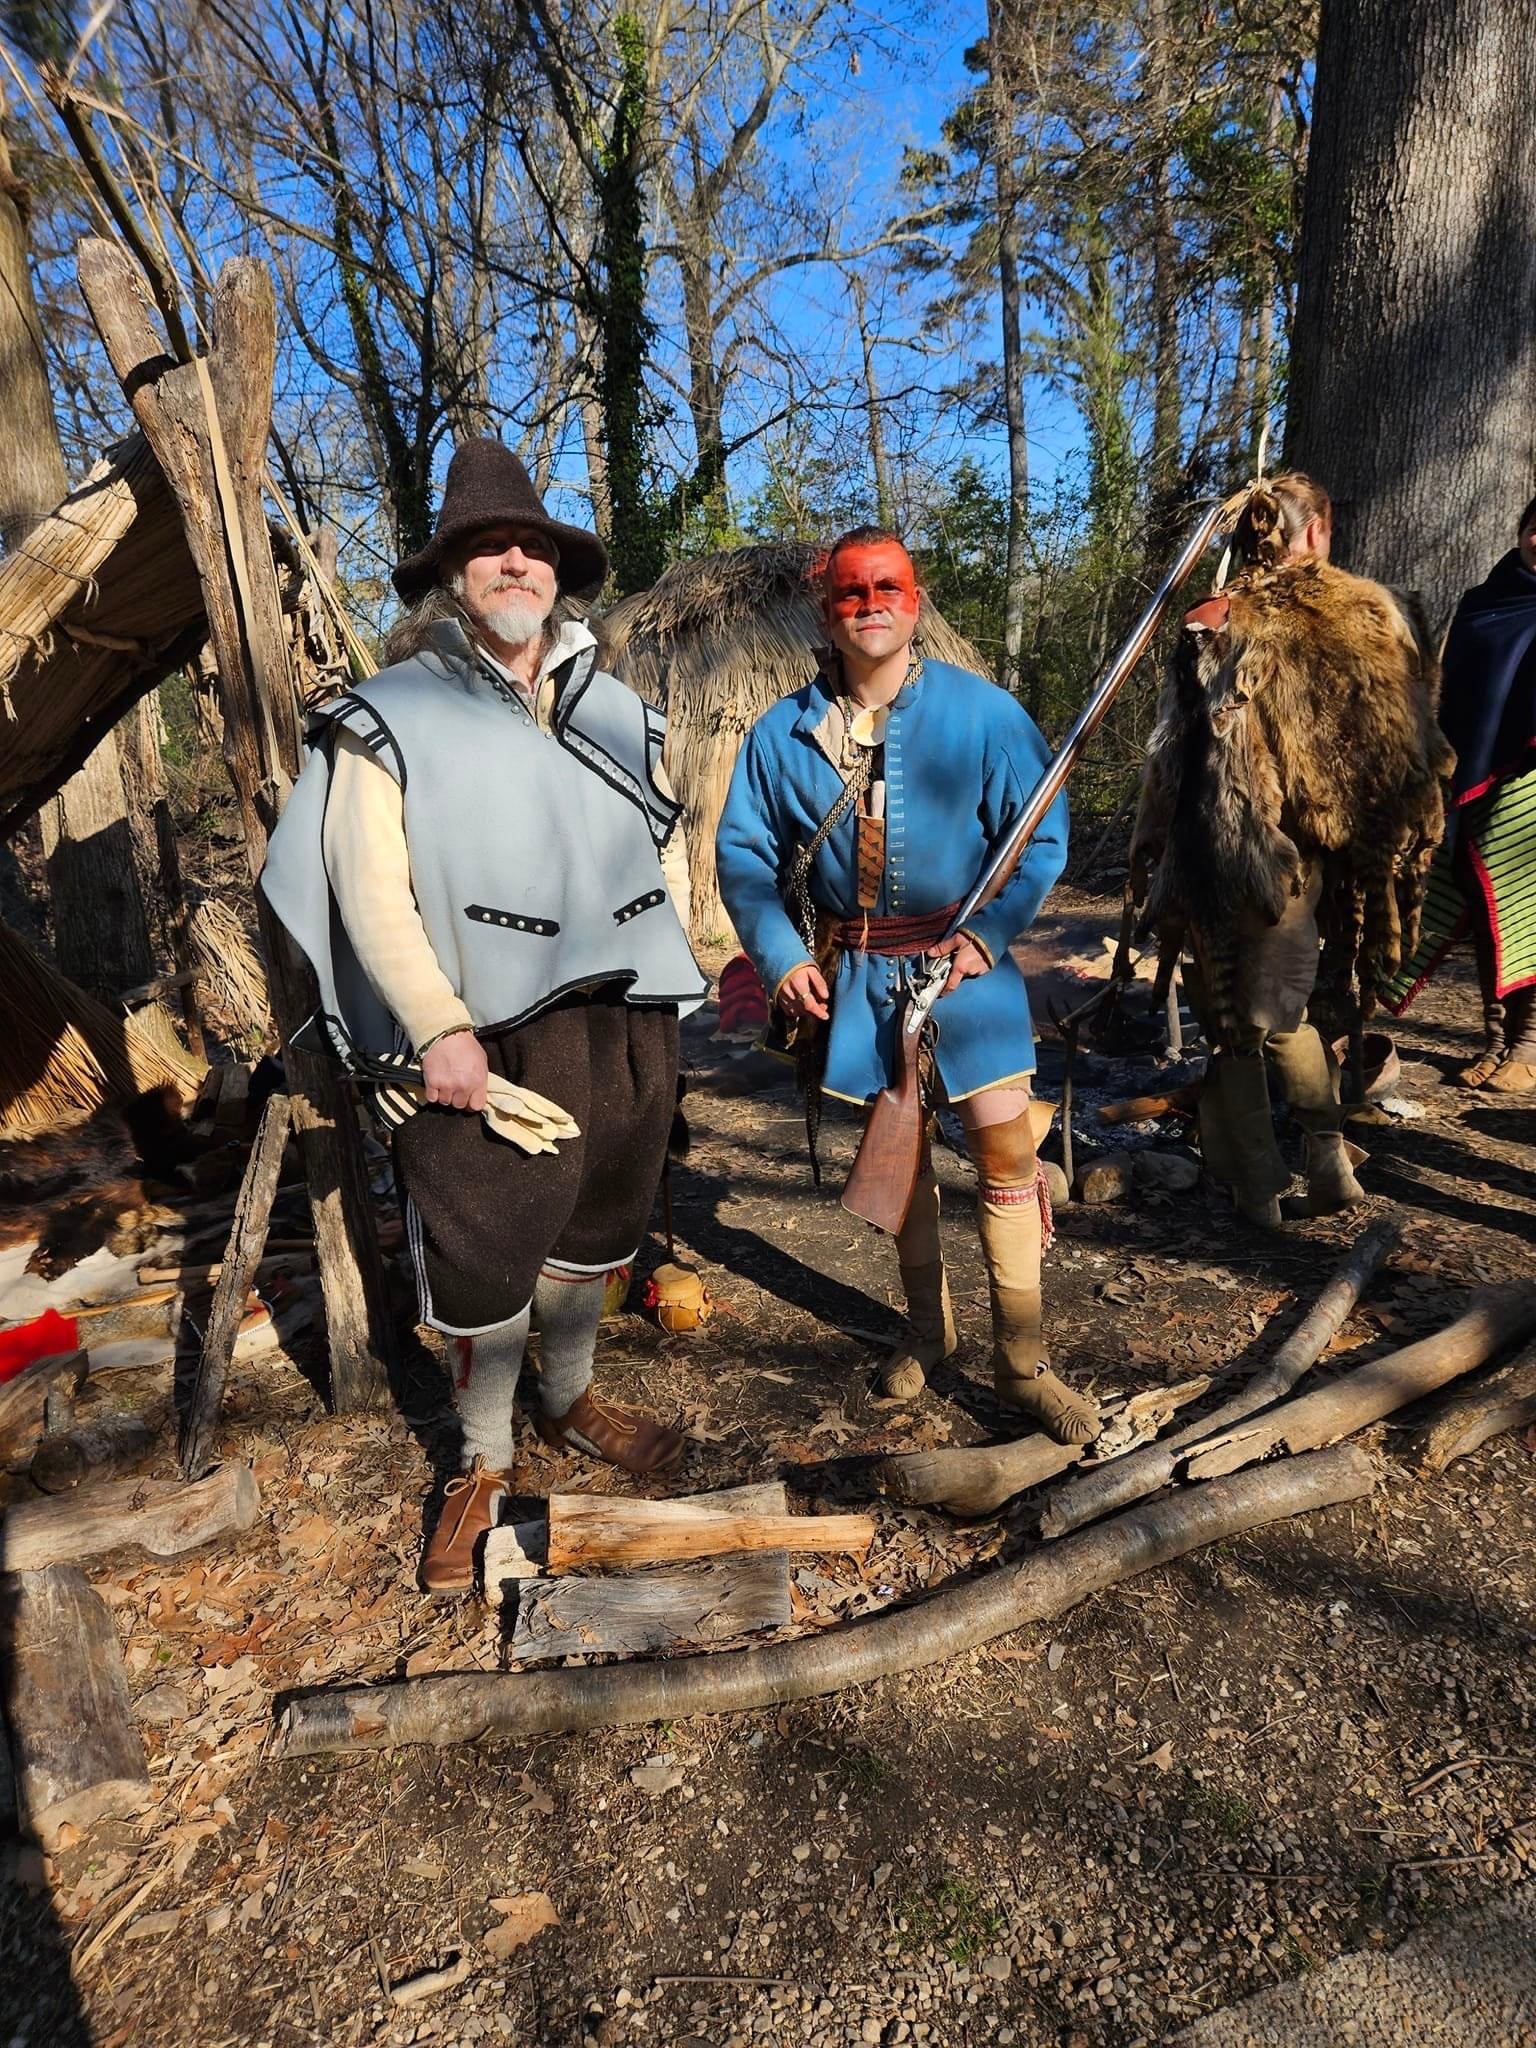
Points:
(1173, 1172)
(1108, 1178)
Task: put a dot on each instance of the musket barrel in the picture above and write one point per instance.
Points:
(1087, 723)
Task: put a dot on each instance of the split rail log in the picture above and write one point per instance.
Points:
(477, 1707)
(1133, 1477)
(101, 1449)
(1505, 1400)
(1497, 1316)
(247, 1240)
(600, 1530)
(976, 1479)
(207, 422)
(77, 1755)
(160, 1516)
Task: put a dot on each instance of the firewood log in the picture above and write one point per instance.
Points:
(600, 1529)
(76, 1752)
(160, 1516)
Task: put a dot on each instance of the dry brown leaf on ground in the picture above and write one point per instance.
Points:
(524, 1916)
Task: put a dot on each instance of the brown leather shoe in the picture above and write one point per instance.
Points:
(616, 1435)
(469, 1509)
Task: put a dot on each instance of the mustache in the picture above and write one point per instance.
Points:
(525, 589)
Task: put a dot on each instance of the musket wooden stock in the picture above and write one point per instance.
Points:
(890, 1153)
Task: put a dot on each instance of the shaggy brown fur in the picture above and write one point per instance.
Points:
(1301, 730)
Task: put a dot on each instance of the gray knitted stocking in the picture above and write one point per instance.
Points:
(485, 1374)
(567, 1312)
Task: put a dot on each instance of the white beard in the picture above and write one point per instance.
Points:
(514, 620)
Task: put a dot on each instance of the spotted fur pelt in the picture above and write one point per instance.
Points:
(1301, 728)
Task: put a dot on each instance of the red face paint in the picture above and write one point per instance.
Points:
(864, 581)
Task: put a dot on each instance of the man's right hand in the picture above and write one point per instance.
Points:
(804, 994)
(455, 1071)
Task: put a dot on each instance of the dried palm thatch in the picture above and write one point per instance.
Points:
(716, 641)
(96, 606)
(63, 1056)
(231, 981)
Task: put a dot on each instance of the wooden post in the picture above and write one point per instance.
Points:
(247, 1239)
(214, 459)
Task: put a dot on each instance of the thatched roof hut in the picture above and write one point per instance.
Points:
(716, 641)
(97, 605)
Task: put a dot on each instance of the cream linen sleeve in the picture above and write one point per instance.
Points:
(370, 876)
(674, 859)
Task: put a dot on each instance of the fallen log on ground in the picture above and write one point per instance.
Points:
(1497, 1316)
(1504, 1400)
(603, 1530)
(975, 1479)
(100, 1449)
(478, 1706)
(1131, 1478)
(77, 1755)
(160, 1516)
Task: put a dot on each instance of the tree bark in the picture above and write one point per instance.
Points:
(100, 931)
(1414, 355)
(1133, 1477)
(476, 1707)
(1504, 1400)
(78, 1756)
(34, 478)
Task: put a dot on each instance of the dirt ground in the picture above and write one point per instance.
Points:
(1095, 1832)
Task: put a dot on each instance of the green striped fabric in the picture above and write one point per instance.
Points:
(1500, 831)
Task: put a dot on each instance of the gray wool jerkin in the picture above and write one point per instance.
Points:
(535, 857)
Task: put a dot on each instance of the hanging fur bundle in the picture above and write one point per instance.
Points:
(1297, 725)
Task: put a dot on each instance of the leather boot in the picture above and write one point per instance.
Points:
(470, 1506)
(1252, 1160)
(1331, 1182)
(930, 1318)
(1495, 1017)
(1008, 1217)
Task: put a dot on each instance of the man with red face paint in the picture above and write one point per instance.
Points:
(861, 811)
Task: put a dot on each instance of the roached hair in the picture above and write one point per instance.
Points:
(1267, 517)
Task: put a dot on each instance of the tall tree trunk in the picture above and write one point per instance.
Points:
(1167, 386)
(1006, 197)
(879, 461)
(1414, 358)
(100, 935)
(32, 477)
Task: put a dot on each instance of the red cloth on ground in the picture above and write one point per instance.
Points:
(46, 1336)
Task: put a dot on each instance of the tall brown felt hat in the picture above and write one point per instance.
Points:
(488, 486)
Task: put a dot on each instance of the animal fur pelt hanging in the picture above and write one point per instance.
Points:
(1297, 724)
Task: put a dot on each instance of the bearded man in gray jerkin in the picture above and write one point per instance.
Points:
(483, 864)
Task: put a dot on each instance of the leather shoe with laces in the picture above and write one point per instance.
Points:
(470, 1504)
(618, 1436)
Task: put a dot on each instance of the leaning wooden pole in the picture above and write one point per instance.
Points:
(207, 423)
(479, 1707)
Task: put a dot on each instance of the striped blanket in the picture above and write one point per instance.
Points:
(1499, 832)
